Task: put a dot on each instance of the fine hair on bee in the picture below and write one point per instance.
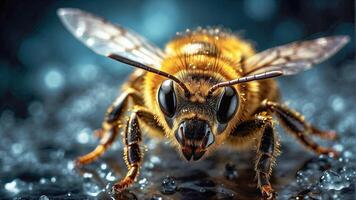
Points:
(208, 89)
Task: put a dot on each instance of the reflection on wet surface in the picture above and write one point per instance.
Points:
(220, 176)
(36, 153)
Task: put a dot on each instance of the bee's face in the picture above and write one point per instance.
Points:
(197, 121)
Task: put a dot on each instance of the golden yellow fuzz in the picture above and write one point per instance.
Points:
(216, 55)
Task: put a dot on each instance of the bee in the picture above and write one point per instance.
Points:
(208, 89)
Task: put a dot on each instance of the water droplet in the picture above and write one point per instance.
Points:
(87, 175)
(226, 192)
(91, 189)
(43, 181)
(43, 197)
(156, 197)
(143, 183)
(202, 190)
(331, 180)
(230, 171)
(103, 166)
(53, 179)
(15, 186)
(110, 177)
(307, 178)
(338, 147)
(70, 165)
(83, 136)
(155, 160)
(168, 185)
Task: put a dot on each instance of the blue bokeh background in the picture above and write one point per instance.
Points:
(39, 59)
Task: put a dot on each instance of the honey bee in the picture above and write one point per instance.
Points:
(206, 90)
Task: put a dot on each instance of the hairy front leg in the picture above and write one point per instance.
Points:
(296, 119)
(267, 148)
(294, 123)
(111, 125)
(266, 156)
(132, 152)
(132, 141)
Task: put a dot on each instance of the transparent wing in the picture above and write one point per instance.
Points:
(295, 57)
(105, 38)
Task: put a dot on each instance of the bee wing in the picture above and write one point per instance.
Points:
(295, 57)
(107, 39)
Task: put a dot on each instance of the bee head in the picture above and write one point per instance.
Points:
(198, 120)
(198, 114)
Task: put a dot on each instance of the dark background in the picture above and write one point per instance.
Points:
(39, 59)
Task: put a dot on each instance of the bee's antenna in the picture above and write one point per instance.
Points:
(265, 75)
(150, 69)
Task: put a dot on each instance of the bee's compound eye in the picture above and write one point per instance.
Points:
(167, 98)
(227, 105)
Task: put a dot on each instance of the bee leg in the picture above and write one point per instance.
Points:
(247, 127)
(110, 127)
(99, 133)
(283, 111)
(266, 153)
(294, 123)
(329, 135)
(132, 139)
(107, 139)
(132, 152)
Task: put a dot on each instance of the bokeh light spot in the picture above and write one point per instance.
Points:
(88, 72)
(84, 136)
(12, 187)
(159, 18)
(260, 10)
(54, 79)
(337, 103)
(288, 31)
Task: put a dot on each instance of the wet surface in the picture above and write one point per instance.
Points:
(36, 153)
